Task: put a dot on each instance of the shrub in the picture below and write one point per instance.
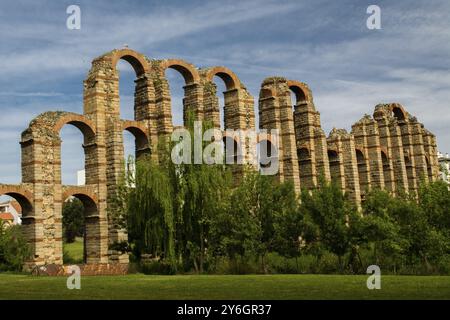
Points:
(158, 267)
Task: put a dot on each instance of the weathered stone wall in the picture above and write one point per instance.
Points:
(391, 151)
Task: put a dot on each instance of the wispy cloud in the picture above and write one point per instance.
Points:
(326, 44)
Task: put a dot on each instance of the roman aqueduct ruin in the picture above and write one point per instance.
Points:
(389, 150)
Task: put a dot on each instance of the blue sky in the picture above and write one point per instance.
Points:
(326, 44)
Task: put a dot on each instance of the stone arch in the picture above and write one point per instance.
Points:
(398, 111)
(266, 93)
(233, 154)
(187, 70)
(79, 121)
(45, 130)
(137, 60)
(30, 223)
(142, 141)
(303, 154)
(191, 89)
(335, 166)
(302, 92)
(92, 243)
(235, 99)
(22, 196)
(267, 152)
(102, 84)
(229, 77)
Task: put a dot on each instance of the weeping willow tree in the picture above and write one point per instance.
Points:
(204, 191)
(150, 207)
(167, 208)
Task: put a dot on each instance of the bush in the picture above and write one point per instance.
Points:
(238, 265)
(158, 267)
(14, 250)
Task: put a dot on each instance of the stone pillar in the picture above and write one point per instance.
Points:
(398, 157)
(193, 101)
(367, 137)
(431, 153)
(336, 160)
(408, 149)
(32, 174)
(418, 148)
(305, 133)
(344, 168)
(386, 149)
(275, 109)
(211, 104)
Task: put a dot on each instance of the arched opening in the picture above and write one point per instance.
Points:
(298, 96)
(221, 87)
(335, 166)
(14, 208)
(176, 83)
(429, 169)
(233, 151)
(268, 155)
(16, 211)
(305, 168)
(409, 172)
(398, 113)
(129, 153)
(362, 172)
(386, 171)
(72, 156)
(81, 230)
(136, 147)
(77, 153)
(127, 87)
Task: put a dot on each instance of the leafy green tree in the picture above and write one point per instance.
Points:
(379, 230)
(424, 243)
(14, 250)
(235, 232)
(205, 193)
(328, 208)
(73, 219)
(434, 199)
(255, 221)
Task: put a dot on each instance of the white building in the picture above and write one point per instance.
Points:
(11, 212)
(444, 164)
(81, 178)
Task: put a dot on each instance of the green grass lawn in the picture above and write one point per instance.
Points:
(224, 287)
(73, 252)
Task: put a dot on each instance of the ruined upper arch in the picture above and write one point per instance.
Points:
(229, 77)
(395, 110)
(138, 130)
(50, 123)
(266, 93)
(187, 70)
(302, 92)
(137, 60)
(398, 111)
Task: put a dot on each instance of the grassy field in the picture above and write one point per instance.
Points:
(224, 287)
(73, 252)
